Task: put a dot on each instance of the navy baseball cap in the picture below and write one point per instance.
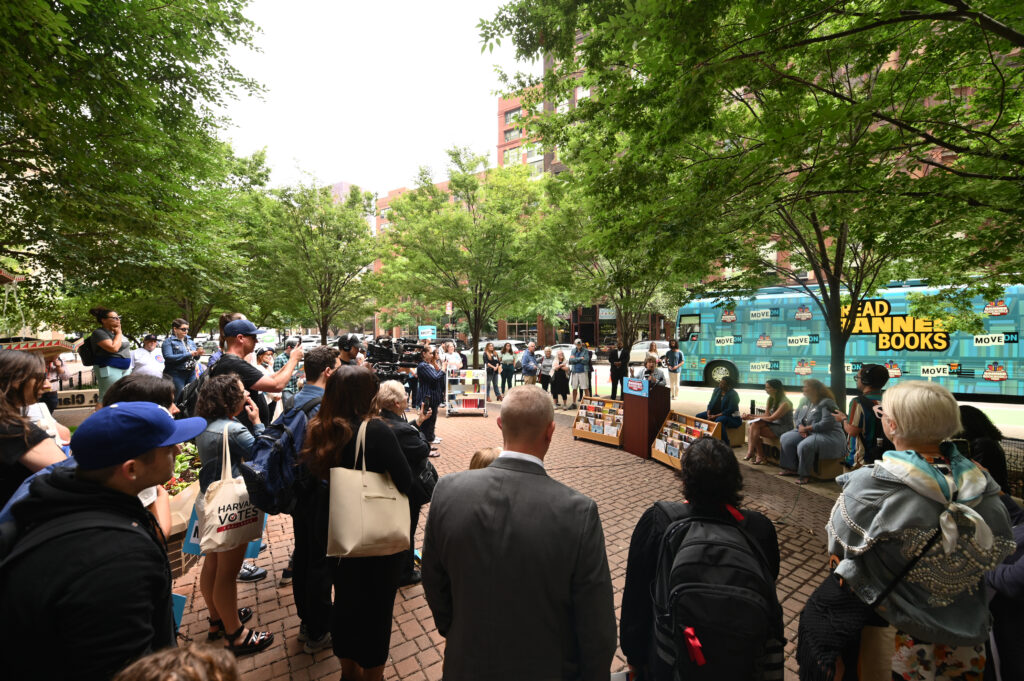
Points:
(242, 326)
(126, 430)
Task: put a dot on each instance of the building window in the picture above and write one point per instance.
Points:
(512, 115)
(562, 108)
(513, 156)
(534, 152)
(536, 168)
(513, 134)
(582, 93)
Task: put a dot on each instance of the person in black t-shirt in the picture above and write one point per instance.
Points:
(24, 447)
(240, 337)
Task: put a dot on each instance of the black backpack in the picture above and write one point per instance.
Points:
(86, 353)
(716, 612)
(872, 436)
(189, 396)
(15, 542)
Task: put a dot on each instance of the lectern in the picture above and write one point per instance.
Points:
(645, 407)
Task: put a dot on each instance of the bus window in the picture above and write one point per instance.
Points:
(689, 327)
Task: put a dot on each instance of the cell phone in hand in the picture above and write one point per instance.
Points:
(426, 403)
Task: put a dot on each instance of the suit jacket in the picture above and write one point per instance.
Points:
(516, 575)
(616, 355)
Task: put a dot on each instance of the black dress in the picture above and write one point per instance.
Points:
(365, 588)
(560, 385)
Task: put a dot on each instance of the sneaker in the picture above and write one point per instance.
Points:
(436, 441)
(286, 576)
(572, 406)
(312, 645)
(250, 572)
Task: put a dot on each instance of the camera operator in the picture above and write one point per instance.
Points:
(349, 347)
(431, 390)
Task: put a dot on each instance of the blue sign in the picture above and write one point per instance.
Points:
(636, 386)
(428, 332)
(178, 604)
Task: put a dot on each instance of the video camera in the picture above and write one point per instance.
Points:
(388, 355)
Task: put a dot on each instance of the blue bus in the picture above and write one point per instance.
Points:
(781, 334)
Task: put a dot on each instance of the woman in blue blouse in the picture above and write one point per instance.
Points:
(430, 380)
(724, 407)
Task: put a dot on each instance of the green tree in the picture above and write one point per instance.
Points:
(318, 253)
(476, 242)
(108, 129)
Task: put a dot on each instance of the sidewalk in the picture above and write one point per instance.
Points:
(623, 487)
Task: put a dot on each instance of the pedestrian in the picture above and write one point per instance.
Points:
(509, 554)
(239, 338)
(364, 588)
(110, 349)
(180, 355)
(618, 361)
(560, 381)
(508, 367)
(309, 569)
(90, 563)
(349, 347)
(579, 379)
(148, 359)
(221, 400)
(280, 360)
(56, 374)
(712, 485)
(450, 360)
(431, 384)
(866, 441)
(264, 362)
(673, 362)
(530, 366)
(24, 447)
(492, 361)
(546, 363)
(225, 319)
(416, 448)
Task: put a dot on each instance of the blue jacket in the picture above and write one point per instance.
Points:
(579, 360)
(177, 352)
(430, 382)
(530, 367)
(731, 403)
(209, 444)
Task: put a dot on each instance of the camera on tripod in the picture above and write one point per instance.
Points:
(387, 355)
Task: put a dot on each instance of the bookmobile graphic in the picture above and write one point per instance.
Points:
(781, 334)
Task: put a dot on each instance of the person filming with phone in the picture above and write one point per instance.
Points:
(430, 387)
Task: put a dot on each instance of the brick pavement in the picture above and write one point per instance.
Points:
(623, 487)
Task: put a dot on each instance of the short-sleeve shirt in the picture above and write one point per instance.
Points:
(102, 334)
(12, 447)
(250, 375)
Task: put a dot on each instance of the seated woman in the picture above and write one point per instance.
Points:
(724, 407)
(912, 537)
(711, 486)
(653, 373)
(817, 435)
(777, 419)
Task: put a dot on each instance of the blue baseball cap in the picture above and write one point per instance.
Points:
(242, 326)
(126, 430)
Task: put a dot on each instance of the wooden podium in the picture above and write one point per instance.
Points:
(645, 408)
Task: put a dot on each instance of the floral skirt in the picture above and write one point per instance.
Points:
(913, 661)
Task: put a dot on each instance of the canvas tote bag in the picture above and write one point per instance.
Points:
(368, 515)
(229, 518)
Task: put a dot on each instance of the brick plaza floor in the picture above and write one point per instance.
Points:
(623, 487)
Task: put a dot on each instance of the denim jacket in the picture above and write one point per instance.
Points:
(209, 443)
(579, 360)
(879, 524)
(177, 352)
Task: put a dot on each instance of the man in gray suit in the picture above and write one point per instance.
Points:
(514, 564)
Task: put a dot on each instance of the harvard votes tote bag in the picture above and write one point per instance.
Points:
(368, 515)
(229, 518)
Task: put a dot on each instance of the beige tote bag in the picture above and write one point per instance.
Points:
(229, 518)
(369, 516)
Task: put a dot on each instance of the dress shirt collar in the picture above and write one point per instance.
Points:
(508, 454)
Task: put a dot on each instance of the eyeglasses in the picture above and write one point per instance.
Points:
(115, 317)
(183, 329)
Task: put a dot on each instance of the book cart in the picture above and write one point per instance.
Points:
(599, 419)
(677, 433)
(463, 391)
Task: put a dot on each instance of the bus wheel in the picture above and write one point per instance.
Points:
(716, 371)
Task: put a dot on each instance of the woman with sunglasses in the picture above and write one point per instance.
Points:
(180, 355)
(110, 348)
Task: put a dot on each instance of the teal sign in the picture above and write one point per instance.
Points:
(428, 333)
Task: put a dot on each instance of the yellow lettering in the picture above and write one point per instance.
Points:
(902, 324)
(862, 325)
(881, 325)
(882, 308)
(883, 342)
(942, 341)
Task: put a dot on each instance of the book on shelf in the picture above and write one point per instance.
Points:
(672, 451)
(611, 431)
(660, 444)
(597, 428)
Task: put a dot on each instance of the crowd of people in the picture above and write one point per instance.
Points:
(514, 565)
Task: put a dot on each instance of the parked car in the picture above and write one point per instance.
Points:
(567, 349)
(518, 347)
(639, 351)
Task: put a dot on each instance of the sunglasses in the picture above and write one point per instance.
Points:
(878, 410)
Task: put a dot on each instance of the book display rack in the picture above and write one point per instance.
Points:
(599, 419)
(464, 392)
(677, 433)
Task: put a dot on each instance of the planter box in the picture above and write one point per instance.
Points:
(181, 511)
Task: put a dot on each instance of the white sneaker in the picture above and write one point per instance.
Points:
(436, 441)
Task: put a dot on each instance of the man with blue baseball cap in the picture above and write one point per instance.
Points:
(86, 588)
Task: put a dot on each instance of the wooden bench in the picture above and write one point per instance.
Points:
(828, 469)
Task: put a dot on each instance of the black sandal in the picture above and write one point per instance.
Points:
(244, 615)
(253, 643)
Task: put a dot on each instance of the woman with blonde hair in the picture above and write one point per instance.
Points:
(817, 435)
(911, 538)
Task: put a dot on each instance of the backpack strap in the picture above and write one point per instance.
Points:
(59, 526)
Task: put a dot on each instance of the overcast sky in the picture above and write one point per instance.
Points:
(367, 92)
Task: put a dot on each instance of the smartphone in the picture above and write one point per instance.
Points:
(426, 403)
